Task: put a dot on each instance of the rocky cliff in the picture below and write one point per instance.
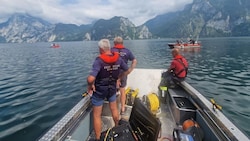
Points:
(202, 18)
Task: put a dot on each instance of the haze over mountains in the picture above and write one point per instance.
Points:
(203, 18)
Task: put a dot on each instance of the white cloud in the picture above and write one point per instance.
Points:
(86, 11)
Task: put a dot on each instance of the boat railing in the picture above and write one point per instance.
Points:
(57, 132)
(216, 117)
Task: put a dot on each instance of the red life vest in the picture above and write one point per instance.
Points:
(119, 46)
(180, 66)
(109, 58)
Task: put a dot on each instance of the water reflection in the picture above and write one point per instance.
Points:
(191, 49)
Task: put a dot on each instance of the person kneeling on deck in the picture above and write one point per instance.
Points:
(177, 71)
(102, 82)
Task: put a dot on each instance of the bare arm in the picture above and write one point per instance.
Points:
(91, 86)
(133, 65)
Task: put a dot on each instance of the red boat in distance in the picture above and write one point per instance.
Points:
(180, 44)
(54, 45)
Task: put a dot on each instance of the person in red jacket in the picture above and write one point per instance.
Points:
(179, 66)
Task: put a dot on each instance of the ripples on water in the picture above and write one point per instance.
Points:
(222, 72)
(38, 84)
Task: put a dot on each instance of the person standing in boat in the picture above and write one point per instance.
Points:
(102, 82)
(127, 56)
(177, 70)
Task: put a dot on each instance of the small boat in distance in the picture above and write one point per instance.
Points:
(180, 44)
(54, 45)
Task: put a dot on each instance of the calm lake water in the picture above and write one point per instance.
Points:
(39, 84)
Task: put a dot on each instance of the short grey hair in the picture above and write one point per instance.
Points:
(118, 40)
(104, 44)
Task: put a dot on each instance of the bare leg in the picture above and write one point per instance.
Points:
(114, 110)
(123, 99)
(97, 111)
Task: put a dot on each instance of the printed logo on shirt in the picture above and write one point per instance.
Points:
(113, 67)
(122, 53)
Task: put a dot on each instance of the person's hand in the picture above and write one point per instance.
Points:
(118, 83)
(91, 89)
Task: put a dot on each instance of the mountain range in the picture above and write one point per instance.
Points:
(202, 18)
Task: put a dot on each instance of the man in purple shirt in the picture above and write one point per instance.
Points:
(102, 82)
(126, 55)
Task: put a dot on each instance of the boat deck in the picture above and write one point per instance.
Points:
(164, 115)
(176, 105)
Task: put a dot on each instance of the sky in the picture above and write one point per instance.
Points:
(87, 11)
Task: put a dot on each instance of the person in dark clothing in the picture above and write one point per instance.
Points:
(102, 82)
(127, 56)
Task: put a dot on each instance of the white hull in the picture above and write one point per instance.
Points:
(77, 123)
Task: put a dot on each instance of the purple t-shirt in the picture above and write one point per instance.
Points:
(106, 75)
(99, 65)
(125, 54)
